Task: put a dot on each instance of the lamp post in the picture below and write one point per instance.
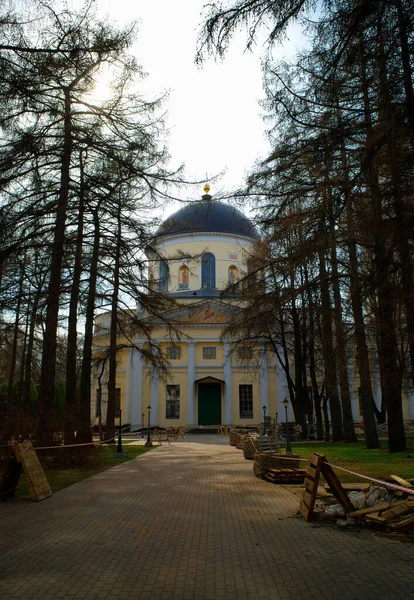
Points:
(148, 442)
(119, 452)
(288, 446)
(264, 419)
(142, 426)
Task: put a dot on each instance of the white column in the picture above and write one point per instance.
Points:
(154, 399)
(264, 385)
(228, 390)
(129, 398)
(136, 391)
(411, 405)
(191, 411)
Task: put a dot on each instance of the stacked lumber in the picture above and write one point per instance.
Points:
(285, 475)
(250, 446)
(269, 443)
(278, 468)
(236, 437)
(254, 443)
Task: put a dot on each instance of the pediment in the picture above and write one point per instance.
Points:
(208, 311)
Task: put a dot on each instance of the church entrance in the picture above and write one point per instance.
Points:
(209, 403)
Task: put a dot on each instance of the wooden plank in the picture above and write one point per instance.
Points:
(336, 487)
(39, 485)
(353, 487)
(402, 482)
(378, 507)
(376, 517)
(403, 523)
(395, 511)
(313, 471)
(310, 484)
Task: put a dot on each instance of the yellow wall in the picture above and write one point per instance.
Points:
(196, 248)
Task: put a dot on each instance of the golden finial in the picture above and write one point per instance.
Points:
(206, 188)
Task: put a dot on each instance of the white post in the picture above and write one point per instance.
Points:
(228, 390)
(264, 385)
(191, 409)
(136, 391)
(129, 394)
(154, 399)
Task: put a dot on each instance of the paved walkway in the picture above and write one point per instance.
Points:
(189, 521)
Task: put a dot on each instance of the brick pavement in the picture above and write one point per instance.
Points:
(189, 521)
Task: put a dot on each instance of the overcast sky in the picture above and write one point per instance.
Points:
(214, 117)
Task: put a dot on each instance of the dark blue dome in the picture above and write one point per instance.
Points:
(208, 216)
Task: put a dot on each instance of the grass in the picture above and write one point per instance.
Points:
(376, 463)
(61, 476)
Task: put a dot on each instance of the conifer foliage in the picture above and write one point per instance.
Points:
(79, 180)
(335, 201)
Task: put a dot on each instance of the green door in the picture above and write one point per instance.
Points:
(209, 403)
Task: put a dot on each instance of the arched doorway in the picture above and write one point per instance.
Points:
(209, 401)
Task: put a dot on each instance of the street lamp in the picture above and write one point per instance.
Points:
(142, 426)
(288, 446)
(148, 442)
(119, 452)
(264, 419)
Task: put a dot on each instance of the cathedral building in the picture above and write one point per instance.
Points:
(201, 250)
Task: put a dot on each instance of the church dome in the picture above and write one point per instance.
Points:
(208, 216)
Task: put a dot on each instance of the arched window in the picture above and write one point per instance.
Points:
(233, 275)
(208, 270)
(163, 278)
(183, 277)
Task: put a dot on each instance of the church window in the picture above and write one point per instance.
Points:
(246, 401)
(209, 352)
(173, 402)
(232, 275)
(208, 270)
(174, 352)
(183, 277)
(163, 279)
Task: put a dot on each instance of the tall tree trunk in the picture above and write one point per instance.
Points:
(328, 347)
(362, 356)
(13, 357)
(300, 400)
(27, 399)
(48, 368)
(72, 346)
(317, 398)
(348, 421)
(23, 355)
(83, 424)
(387, 349)
(403, 221)
(113, 334)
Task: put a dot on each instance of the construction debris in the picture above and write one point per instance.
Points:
(357, 503)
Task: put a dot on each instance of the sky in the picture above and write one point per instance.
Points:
(214, 119)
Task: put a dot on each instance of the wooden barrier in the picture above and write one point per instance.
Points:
(318, 465)
(39, 485)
